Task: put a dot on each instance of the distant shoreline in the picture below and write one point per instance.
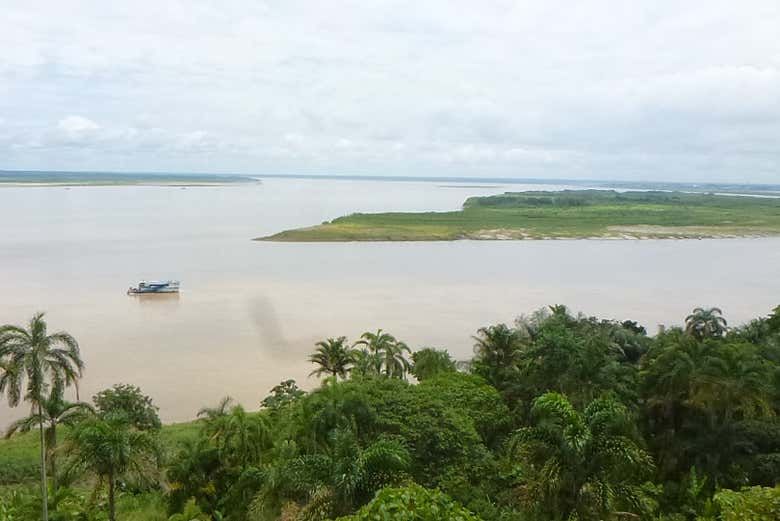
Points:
(59, 178)
(77, 179)
(129, 183)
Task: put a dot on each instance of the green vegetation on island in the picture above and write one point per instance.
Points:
(559, 215)
(556, 417)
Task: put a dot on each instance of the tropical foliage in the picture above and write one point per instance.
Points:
(412, 503)
(333, 357)
(576, 465)
(558, 416)
(55, 411)
(111, 450)
(129, 401)
(34, 360)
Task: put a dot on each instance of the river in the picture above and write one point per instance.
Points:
(250, 312)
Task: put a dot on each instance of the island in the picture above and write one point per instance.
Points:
(568, 214)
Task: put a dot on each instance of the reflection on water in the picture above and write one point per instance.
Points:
(156, 299)
(250, 312)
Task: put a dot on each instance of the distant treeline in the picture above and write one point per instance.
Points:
(571, 198)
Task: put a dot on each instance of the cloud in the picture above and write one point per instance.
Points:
(75, 128)
(445, 87)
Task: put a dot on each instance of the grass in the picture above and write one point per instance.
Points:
(19, 457)
(19, 471)
(555, 215)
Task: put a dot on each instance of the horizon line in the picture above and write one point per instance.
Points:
(401, 177)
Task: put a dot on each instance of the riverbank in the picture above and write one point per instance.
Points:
(570, 214)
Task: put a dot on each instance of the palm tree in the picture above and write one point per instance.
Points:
(706, 323)
(56, 411)
(332, 357)
(34, 359)
(376, 342)
(365, 363)
(496, 350)
(382, 353)
(110, 448)
(245, 437)
(395, 363)
(193, 470)
(215, 418)
(579, 465)
(211, 414)
(736, 382)
(238, 436)
(371, 355)
(338, 480)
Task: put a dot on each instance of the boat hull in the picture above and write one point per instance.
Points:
(151, 288)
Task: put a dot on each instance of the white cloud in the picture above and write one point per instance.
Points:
(77, 127)
(596, 89)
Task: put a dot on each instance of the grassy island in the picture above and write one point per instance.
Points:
(560, 215)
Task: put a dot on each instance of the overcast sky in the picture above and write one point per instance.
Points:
(651, 90)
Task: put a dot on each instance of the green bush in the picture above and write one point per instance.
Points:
(749, 504)
(411, 503)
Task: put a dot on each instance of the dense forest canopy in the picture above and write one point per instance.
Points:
(558, 416)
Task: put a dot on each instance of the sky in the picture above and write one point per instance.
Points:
(651, 90)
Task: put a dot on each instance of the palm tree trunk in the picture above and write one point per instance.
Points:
(44, 489)
(111, 492)
(53, 456)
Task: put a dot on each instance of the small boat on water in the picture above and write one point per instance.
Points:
(154, 286)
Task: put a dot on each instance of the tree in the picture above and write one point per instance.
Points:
(112, 448)
(244, 438)
(411, 503)
(332, 357)
(376, 342)
(774, 320)
(56, 411)
(707, 404)
(471, 396)
(496, 353)
(239, 436)
(212, 414)
(194, 471)
(395, 363)
(430, 362)
(382, 354)
(365, 363)
(749, 504)
(576, 465)
(706, 323)
(734, 383)
(668, 375)
(34, 359)
(345, 475)
(285, 393)
(129, 401)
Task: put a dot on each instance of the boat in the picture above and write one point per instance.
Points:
(154, 286)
